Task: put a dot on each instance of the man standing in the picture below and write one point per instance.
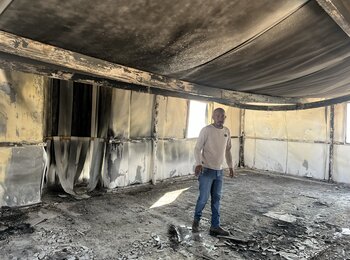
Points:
(214, 142)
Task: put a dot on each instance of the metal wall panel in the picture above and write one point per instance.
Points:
(308, 160)
(265, 124)
(294, 158)
(120, 113)
(141, 111)
(172, 117)
(117, 165)
(287, 142)
(233, 120)
(21, 173)
(139, 169)
(21, 107)
(309, 124)
(271, 155)
(341, 164)
(175, 158)
(249, 152)
(340, 122)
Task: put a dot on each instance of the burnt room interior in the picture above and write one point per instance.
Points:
(101, 105)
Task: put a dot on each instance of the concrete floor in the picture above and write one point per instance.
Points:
(270, 217)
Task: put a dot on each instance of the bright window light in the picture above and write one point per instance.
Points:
(197, 118)
(347, 123)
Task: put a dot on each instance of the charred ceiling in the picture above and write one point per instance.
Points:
(288, 49)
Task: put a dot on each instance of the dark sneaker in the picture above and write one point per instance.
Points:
(218, 231)
(195, 226)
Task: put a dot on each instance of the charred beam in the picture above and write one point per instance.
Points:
(339, 11)
(331, 146)
(241, 138)
(11, 62)
(82, 64)
(27, 59)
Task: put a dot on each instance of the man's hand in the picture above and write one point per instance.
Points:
(198, 170)
(231, 173)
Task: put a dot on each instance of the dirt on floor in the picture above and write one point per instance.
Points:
(269, 216)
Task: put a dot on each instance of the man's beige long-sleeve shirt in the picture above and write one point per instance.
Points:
(211, 147)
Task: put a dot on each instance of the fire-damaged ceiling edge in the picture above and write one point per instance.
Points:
(4, 4)
(31, 56)
(336, 10)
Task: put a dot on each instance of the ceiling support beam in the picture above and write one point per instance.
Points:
(85, 65)
(338, 12)
(18, 53)
(11, 62)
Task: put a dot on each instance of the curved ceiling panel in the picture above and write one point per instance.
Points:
(288, 48)
(307, 54)
(157, 36)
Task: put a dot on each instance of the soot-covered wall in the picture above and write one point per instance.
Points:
(22, 154)
(115, 138)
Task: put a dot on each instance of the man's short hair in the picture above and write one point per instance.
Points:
(218, 110)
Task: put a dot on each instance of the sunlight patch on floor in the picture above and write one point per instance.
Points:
(168, 198)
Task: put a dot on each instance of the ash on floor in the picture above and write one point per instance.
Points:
(269, 217)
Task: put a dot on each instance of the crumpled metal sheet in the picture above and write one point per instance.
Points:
(21, 175)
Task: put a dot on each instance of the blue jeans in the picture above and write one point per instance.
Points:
(210, 183)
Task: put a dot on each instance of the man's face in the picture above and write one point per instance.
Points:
(219, 118)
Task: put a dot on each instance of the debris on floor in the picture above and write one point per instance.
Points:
(270, 221)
